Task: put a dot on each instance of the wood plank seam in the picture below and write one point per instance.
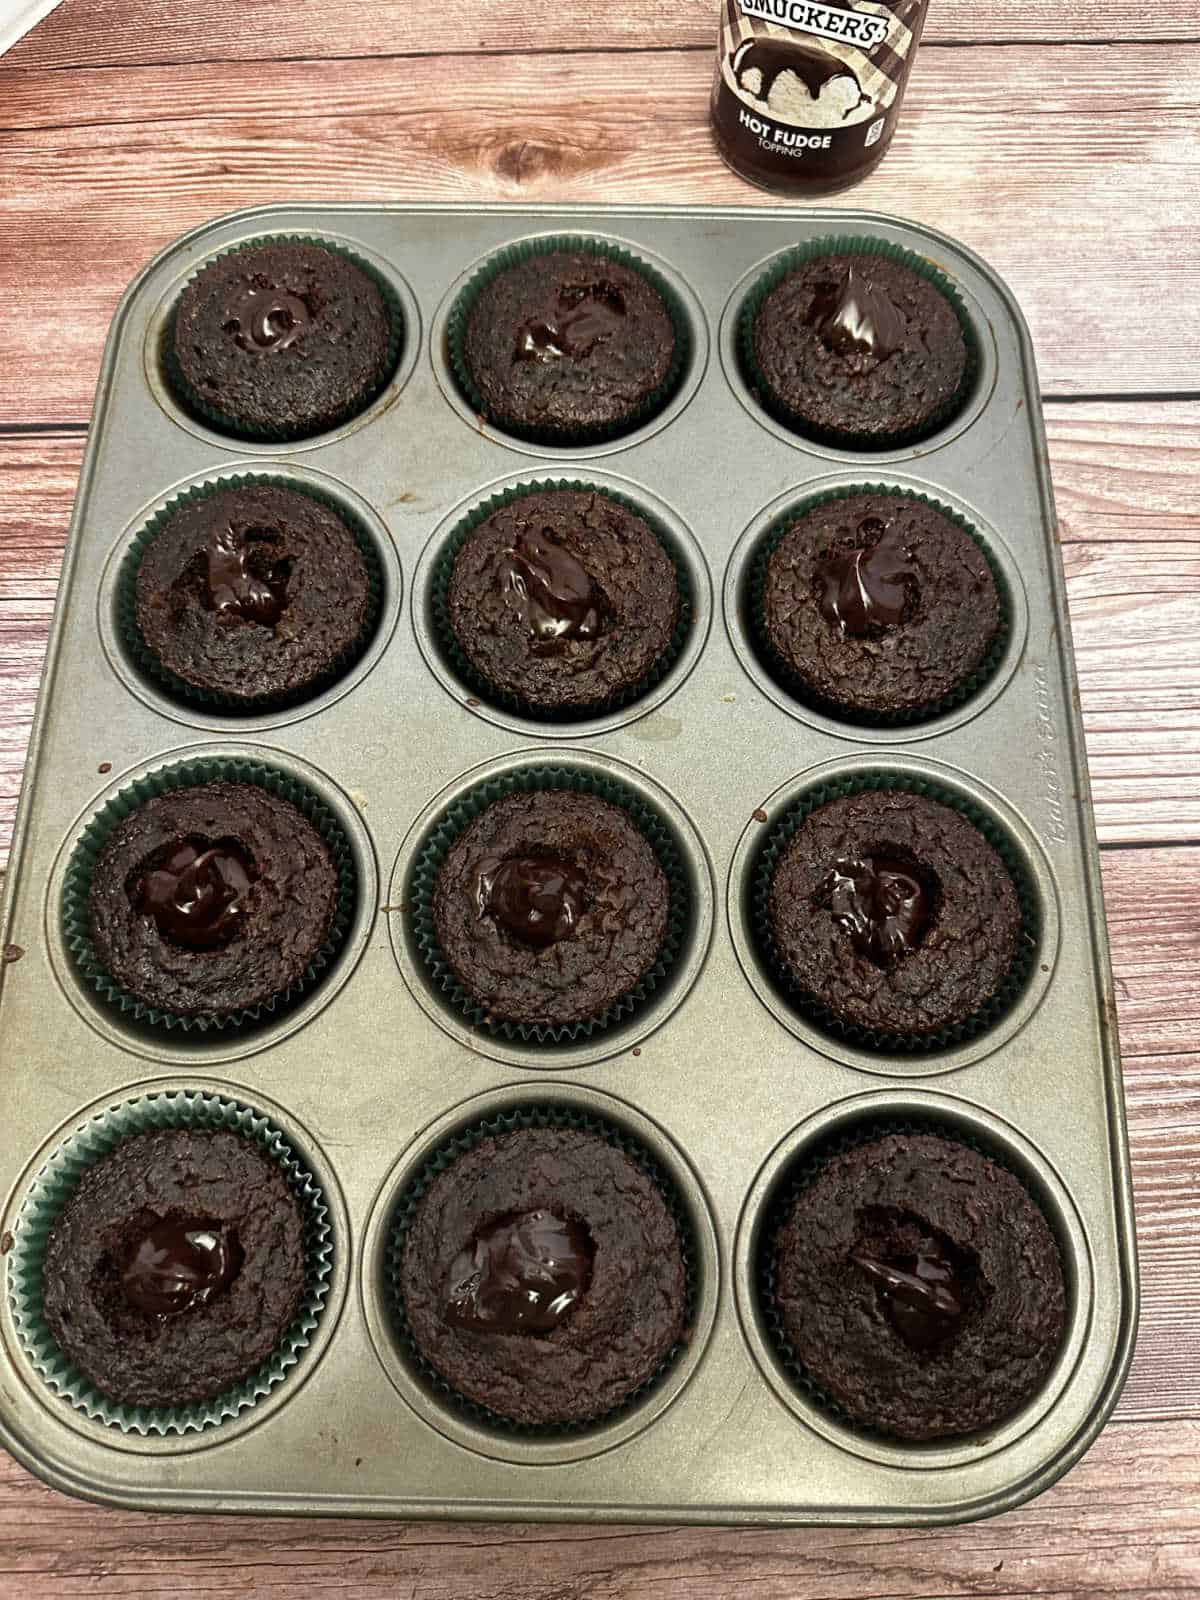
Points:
(1135, 41)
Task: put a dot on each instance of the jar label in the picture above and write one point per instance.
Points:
(812, 65)
(823, 22)
(816, 81)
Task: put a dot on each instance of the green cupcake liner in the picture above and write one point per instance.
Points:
(481, 686)
(810, 1006)
(58, 1180)
(404, 1213)
(181, 775)
(786, 676)
(148, 663)
(853, 245)
(216, 418)
(451, 824)
(509, 256)
(800, 1174)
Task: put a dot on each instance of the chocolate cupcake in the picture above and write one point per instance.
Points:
(562, 602)
(877, 607)
(550, 908)
(916, 1283)
(890, 914)
(176, 1267)
(857, 349)
(281, 339)
(543, 1277)
(251, 595)
(567, 345)
(210, 900)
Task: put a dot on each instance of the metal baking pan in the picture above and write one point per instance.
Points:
(716, 1075)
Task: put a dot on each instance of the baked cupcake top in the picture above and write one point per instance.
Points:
(550, 907)
(892, 913)
(175, 1268)
(282, 339)
(563, 600)
(858, 349)
(211, 899)
(919, 1286)
(877, 605)
(543, 1276)
(253, 592)
(568, 345)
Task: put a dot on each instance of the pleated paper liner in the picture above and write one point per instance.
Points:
(153, 669)
(505, 700)
(509, 256)
(790, 680)
(53, 1188)
(854, 245)
(530, 1116)
(183, 775)
(460, 813)
(810, 1006)
(204, 410)
(803, 1171)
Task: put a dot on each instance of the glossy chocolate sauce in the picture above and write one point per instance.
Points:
(856, 317)
(922, 1296)
(265, 320)
(234, 588)
(864, 590)
(198, 894)
(572, 323)
(178, 1264)
(880, 903)
(537, 899)
(550, 592)
(807, 92)
(520, 1274)
(771, 58)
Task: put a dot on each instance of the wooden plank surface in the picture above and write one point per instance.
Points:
(101, 167)
(87, 32)
(1075, 167)
(1125, 1522)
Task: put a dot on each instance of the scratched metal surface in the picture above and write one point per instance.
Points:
(372, 1069)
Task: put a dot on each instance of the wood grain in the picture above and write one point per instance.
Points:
(101, 167)
(1135, 616)
(1155, 957)
(89, 32)
(37, 489)
(1162, 1097)
(1125, 471)
(1125, 1522)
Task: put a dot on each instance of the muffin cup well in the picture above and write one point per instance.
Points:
(810, 1006)
(801, 1172)
(54, 1186)
(508, 256)
(529, 1116)
(148, 663)
(853, 245)
(206, 412)
(528, 780)
(785, 675)
(188, 774)
(475, 680)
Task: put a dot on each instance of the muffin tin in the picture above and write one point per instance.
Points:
(715, 1074)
